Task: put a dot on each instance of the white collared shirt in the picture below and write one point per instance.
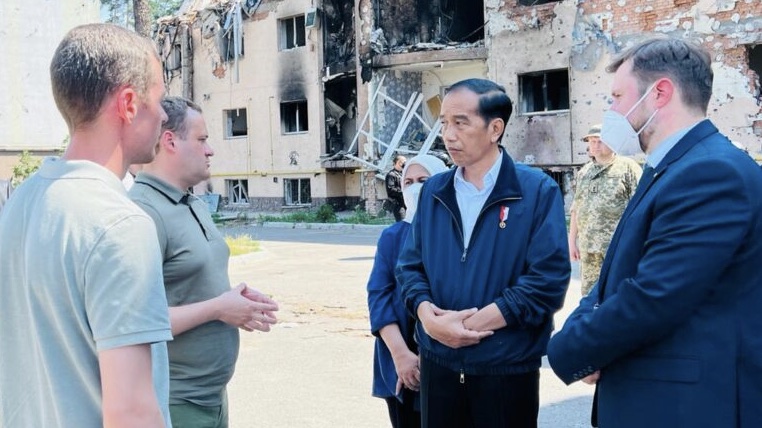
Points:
(655, 157)
(471, 200)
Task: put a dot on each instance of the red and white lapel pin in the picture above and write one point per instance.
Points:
(503, 216)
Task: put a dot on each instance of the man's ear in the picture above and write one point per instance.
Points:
(496, 128)
(167, 141)
(665, 90)
(127, 103)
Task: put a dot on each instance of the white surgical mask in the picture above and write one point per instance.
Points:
(411, 194)
(618, 133)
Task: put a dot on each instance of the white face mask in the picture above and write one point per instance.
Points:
(618, 133)
(411, 194)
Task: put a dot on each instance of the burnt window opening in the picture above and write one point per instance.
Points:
(536, 2)
(235, 123)
(292, 33)
(340, 113)
(544, 91)
(238, 191)
(558, 177)
(293, 117)
(337, 25)
(409, 22)
(755, 65)
(296, 191)
(227, 46)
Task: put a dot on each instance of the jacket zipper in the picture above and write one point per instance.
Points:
(462, 376)
(463, 242)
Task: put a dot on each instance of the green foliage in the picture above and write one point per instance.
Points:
(326, 214)
(360, 216)
(121, 11)
(25, 167)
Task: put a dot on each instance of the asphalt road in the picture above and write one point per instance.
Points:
(314, 368)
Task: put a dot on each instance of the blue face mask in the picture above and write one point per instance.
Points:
(618, 133)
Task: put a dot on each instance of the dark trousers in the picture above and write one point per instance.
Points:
(508, 401)
(404, 414)
(398, 209)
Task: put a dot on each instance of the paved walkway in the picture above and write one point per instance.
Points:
(314, 369)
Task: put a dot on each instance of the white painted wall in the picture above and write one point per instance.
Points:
(30, 31)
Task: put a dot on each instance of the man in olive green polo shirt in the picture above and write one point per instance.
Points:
(205, 313)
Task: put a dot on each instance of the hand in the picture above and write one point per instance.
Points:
(593, 378)
(446, 326)
(408, 373)
(258, 296)
(573, 249)
(237, 309)
(488, 318)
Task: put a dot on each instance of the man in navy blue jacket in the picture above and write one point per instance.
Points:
(485, 272)
(671, 331)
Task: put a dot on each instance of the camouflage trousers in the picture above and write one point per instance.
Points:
(589, 269)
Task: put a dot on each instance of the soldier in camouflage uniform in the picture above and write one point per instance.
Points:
(604, 186)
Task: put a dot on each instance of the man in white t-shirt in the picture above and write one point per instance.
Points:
(84, 316)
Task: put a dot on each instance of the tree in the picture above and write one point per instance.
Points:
(143, 19)
(124, 12)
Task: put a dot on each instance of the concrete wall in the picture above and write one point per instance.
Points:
(30, 32)
(580, 37)
(265, 78)
(584, 38)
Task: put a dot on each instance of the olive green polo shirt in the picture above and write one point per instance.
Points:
(195, 254)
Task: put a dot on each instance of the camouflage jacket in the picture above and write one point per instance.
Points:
(600, 199)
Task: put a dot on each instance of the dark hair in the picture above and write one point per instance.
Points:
(94, 60)
(494, 103)
(177, 111)
(687, 64)
(397, 158)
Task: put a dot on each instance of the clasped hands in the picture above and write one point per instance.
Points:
(247, 309)
(457, 329)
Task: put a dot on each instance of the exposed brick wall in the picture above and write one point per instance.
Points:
(528, 17)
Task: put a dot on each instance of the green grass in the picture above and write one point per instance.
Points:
(325, 214)
(241, 244)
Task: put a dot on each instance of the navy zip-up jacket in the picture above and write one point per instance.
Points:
(523, 267)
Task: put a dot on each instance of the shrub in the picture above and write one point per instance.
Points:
(325, 214)
(26, 166)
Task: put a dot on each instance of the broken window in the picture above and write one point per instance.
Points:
(293, 117)
(536, 2)
(340, 113)
(410, 22)
(227, 46)
(337, 22)
(544, 91)
(296, 191)
(755, 64)
(235, 123)
(292, 33)
(238, 191)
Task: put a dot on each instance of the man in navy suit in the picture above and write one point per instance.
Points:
(672, 331)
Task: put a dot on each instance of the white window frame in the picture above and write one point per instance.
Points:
(300, 116)
(292, 27)
(238, 191)
(288, 184)
(229, 116)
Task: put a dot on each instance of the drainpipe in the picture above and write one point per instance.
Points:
(186, 65)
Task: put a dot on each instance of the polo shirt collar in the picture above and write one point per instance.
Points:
(171, 192)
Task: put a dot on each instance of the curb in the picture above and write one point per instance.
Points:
(321, 226)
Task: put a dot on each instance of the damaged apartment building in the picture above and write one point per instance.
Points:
(307, 100)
